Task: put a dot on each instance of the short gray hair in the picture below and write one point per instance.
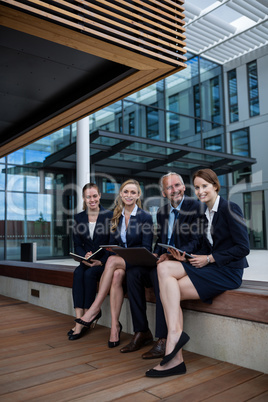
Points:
(167, 175)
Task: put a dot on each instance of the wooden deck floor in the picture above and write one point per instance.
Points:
(39, 363)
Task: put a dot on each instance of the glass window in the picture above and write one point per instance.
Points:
(155, 123)
(107, 118)
(152, 123)
(213, 143)
(215, 101)
(240, 142)
(2, 177)
(179, 89)
(253, 92)
(255, 218)
(2, 224)
(240, 146)
(131, 123)
(197, 108)
(153, 94)
(232, 92)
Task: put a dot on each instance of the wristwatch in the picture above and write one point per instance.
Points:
(208, 260)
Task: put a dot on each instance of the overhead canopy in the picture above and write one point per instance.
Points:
(128, 155)
(225, 29)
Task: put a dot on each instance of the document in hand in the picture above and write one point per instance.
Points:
(136, 256)
(93, 256)
(166, 246)
(110, 246)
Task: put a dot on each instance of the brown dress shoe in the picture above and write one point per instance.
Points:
(138, 340)
(157, 351)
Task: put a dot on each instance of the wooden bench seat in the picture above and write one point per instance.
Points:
(249, 302)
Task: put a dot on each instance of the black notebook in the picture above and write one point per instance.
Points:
(93, 256)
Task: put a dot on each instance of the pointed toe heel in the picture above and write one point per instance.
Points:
(116, 343)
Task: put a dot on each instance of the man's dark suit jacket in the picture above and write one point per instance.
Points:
(230, 237)
(81, 238)
(187, 231)
(139, 231)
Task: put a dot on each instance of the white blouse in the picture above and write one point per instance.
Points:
(91, 229)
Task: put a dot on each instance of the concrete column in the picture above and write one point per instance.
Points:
(82, 158)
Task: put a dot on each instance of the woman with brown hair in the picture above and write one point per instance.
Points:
(217, 267)
(130, 227)
(91, 228)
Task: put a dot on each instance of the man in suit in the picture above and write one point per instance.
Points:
(177, 226)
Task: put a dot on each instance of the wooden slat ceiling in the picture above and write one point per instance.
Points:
(122, 46)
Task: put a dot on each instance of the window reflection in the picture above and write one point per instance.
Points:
(254, 109)
(254, 215)
(240, 146)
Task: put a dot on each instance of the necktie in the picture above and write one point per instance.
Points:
(172, 239)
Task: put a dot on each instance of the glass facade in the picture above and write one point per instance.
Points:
(185, 109)
(35, 208)
(253, 91)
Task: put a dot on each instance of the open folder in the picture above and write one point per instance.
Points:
(93, 256)
(136, 256)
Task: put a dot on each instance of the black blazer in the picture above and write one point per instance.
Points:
(81, 237)
(230, 237)
(139, 231)
(187, 233)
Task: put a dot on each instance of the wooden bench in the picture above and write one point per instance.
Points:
(249, 302)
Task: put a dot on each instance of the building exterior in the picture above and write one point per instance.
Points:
(196, 118)
(212, 114)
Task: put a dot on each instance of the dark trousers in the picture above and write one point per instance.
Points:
(85, 282)
(139, 278)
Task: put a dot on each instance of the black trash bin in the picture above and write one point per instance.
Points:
(28, 252)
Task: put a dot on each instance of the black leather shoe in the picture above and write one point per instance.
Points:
(116, 343)
(70, 332)
(180, 369)
(184, 338)
(74, 337)
(157, 351)
(138, 340)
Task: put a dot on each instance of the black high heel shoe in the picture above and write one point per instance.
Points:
(69, 333)
(88, 324)
(116, 343)
(74, 337)
(184, 338)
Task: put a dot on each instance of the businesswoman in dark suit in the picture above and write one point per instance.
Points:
(216, 267)
(91, 228)
(131, 227)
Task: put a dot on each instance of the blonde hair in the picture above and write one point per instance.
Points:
(119, 205)
(87, 187)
